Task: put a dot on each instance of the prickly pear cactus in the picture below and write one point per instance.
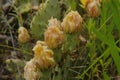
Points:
(40, 20)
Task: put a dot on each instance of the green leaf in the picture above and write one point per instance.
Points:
(106, 77)
(113, 48)
(73, 4)
(114, 4)
(24, 8)
(39, 23)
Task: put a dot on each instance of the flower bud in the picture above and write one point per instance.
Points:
(42, 43)
(23, 35)
(72, 22)
(92, 7)
(53, 37)
(54, 22)
(31, 71)
(43, 56)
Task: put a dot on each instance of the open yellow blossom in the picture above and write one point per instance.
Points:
(31, 71)
(43, 56)
(23, 35)
(53, 36)
(72, 22)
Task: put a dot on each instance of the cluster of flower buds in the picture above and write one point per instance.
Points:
(23, 35)
(92, 7)
(43, 58)
(72, 22)
(53, 35)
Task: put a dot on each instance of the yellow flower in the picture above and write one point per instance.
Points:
(72, 22)
(54, 22)
(92, 7)
(53, 36)
(23, 35)
(42, 43)
(31, 71)
(42, 55)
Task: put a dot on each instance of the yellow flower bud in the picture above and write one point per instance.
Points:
(92, 7)
(72, 22)
(41, 42)
(42, 55)
(53, 37)
(31, 71)
(54, 22)
(23, 35)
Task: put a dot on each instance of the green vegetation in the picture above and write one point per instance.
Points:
(92, 53)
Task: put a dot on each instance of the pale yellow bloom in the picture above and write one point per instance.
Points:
(23, 35)
(54, 22)
(53, 36)
(41, 42)
(31, 71)
(92, 7)
(72, 22)
(43, 56)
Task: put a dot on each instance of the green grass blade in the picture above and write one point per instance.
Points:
(93, 63)
(106, 77)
